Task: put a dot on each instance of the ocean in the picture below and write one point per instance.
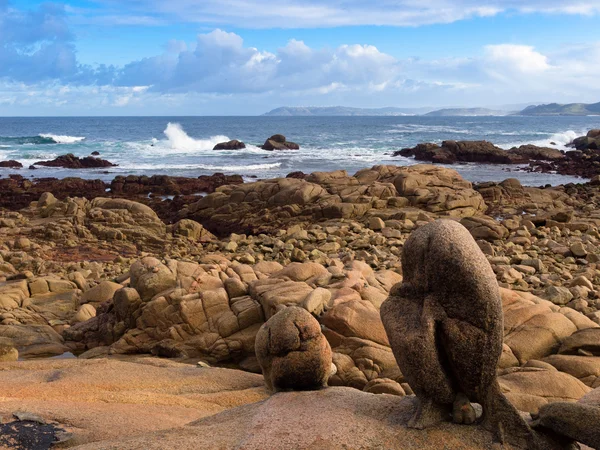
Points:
(182, 146)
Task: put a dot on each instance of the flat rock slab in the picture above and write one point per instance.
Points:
(332, 418)
(114, 399)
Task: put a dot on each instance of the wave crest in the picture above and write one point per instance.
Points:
(62, 139)
(40, 139)
(179, 140)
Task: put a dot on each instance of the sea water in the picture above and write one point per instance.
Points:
(183, 146)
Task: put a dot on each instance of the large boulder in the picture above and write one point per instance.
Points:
(279, 142)
(151, 277)
(230, 145)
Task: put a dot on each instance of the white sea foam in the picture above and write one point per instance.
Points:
(179, 140)
(560, 140)
(61, 139)
(420, 128)
(218, 168)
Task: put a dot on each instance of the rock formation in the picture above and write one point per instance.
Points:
(292, 352)
(279, 142)
(70, 161)
(11, 164)
(444, 323)
(230, 145)
(591, 141)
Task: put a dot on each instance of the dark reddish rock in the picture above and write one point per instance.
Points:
(279, 142)
(11, 164)
(533, 152)
(70, 161)
(18, 192)
(582, 163)
(451, 152)
(231, 145)
(300, 175)
(166, 185)
(95, 153)
(591, 141)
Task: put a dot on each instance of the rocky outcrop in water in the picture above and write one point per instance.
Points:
(230, 145)
(279, 142)
(451, 152)
(70, 161)
(591, 141)
(11, 164)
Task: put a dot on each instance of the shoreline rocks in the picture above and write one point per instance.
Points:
(11, 164)
(106, 277)
(70, 161)
(452, 152)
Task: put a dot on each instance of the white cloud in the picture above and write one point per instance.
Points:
(520, 58)
(324, 13)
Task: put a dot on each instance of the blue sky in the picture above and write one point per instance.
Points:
(179, 57)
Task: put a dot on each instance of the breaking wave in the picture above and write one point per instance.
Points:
(40, 139)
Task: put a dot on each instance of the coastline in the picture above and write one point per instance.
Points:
(132, 279)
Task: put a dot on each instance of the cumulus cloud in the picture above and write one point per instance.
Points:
(220, 63)
(37, 45)
(323, 13)
(38, 63)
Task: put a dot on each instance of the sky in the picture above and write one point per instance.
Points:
(246, 57)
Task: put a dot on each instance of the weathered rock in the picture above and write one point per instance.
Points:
(193, 230)
(378, 421)
(8, 352)
(150, 277)
(444, 323)
(11, 164)
(70, 161)
(84, 313)
(230, 145)
(279, 142)
(292, 351)
(100, 293)
(572, 420)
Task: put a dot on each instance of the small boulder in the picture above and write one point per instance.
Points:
(292, 352)
(85, 313)
(8, 352)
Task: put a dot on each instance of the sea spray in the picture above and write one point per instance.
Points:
(179, 140)
(61, 139)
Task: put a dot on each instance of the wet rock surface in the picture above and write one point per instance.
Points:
(70, 161)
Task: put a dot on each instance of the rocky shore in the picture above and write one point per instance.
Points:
(142, 287)
(583, 161)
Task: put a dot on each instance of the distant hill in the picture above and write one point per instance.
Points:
(343, 111)
(555, 109)
(466, 112)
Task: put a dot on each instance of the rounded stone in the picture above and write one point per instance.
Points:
(292, 352)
